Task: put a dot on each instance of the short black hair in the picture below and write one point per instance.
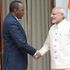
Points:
(14, 5)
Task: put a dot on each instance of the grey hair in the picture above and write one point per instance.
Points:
(61, 10)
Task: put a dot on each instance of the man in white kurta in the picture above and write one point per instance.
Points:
(58, 41)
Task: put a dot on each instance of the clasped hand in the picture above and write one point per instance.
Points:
(37, 55)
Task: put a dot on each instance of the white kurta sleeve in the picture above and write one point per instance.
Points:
(45, 47)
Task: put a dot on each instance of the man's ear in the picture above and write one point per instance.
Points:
(15, 10)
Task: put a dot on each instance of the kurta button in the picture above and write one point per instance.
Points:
(54, 45)
(55, 39)
(54, 51)
(69, 30)
(55, 57)
(57, 27)
(60, 33)
(56, 33)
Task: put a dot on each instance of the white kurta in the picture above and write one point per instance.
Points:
(58, 42)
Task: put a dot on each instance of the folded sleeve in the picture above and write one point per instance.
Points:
(19, 38)
(45, 47)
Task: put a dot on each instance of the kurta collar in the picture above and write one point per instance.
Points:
(61, 23)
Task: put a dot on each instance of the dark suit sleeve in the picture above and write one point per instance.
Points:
(18, 35)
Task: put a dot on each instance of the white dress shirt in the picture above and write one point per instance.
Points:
(58, 42)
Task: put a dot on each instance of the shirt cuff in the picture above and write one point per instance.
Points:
(43, 50)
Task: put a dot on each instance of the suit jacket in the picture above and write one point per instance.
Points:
(15, 45)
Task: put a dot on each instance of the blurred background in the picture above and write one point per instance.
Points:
(37, 22)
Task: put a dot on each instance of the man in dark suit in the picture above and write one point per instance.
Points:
(15, 41)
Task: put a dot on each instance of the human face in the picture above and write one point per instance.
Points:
(20, 11)
(56, 16)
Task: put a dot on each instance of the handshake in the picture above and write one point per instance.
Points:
(37, 55)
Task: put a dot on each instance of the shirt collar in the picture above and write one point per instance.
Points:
(17, 18)
(61, 23)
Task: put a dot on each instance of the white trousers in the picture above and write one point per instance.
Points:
(62, 69)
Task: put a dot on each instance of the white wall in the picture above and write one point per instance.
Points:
(63, 4)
